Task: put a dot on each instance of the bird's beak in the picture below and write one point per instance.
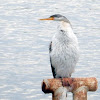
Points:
(50, 18)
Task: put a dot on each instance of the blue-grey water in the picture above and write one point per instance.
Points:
(24, 40)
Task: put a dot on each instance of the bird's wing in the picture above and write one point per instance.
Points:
(53, 69)
(50, 47)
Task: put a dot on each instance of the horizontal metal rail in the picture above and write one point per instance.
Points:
(78, 86)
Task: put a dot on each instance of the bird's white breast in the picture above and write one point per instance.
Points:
(65, 51)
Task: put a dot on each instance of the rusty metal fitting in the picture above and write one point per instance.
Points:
(78, 86)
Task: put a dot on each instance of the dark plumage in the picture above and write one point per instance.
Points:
(50, 47)
(57, 15)
(53, 69)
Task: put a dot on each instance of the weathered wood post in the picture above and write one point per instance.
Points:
(78, 86)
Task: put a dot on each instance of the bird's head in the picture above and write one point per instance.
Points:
(57, 17)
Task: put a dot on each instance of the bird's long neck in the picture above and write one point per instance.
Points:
(66, 27)
(65, 33)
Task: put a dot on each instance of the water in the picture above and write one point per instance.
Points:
(24, 40)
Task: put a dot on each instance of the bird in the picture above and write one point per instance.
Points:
(63, 48)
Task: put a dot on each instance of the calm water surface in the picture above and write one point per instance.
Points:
(24, 40)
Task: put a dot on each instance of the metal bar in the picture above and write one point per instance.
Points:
(80, 93)
(78, 86)
(60, 94)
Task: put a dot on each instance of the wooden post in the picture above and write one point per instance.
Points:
(78, 86)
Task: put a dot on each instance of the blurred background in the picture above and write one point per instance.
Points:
(24, 41)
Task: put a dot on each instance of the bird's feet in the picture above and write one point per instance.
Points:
(66, 82)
